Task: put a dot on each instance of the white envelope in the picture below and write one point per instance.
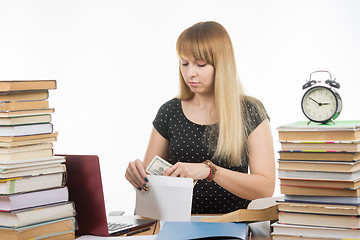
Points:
(168, 199)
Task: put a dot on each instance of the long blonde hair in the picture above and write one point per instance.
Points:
(210, 42)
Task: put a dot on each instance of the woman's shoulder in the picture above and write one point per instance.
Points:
(170, 104)
(250, 104)
(250, 100)
(254, 112)
(164, 116)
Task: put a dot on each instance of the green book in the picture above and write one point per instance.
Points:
(351, 125)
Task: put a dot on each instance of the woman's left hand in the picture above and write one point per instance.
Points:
(196, 171)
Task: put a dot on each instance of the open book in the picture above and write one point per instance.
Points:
(262, 209)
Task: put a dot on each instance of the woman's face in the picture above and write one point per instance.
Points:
(198, 75)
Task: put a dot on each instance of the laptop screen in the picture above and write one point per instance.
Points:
(86, 191)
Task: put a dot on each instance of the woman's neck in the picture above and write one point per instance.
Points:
(201, 109)
(204, 101)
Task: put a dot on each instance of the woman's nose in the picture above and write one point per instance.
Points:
(192, 72)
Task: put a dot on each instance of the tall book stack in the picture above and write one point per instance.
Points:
(319, 172)
(34, 201)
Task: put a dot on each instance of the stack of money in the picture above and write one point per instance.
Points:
(157, 166)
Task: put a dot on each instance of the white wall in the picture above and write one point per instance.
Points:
(115, 64)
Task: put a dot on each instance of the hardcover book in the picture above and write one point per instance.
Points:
(24, 96)
(23, 105)
(321, 184)
(30, 154)
(307, 165)
(26, 129)
(320, 146)
(29, 112)
(35, 170)
(320, 156)
(38, 214)
(32, 183)
(203, 230)
(10, 166)
(323, 199)
(17, 140)
(32, 199)
(24, 148)
(316, 191)
(60, 229)
(31, 119)
(288, 231)
(26, 85)
(41, 140)
(322, 208)
(317, 219)
(302, 131)
(319, 175)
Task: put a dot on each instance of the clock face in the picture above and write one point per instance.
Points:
(320, 104)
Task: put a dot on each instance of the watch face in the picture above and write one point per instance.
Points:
(320, 104)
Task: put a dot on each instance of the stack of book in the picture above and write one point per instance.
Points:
(34, 201)
(319, 172)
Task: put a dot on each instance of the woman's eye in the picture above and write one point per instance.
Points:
(184, 64)
(202, 65)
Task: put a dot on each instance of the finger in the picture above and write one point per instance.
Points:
(141, 174)
(134, 174)
(183, 174)
(127, 176)
(169, 171)
(139, 170)
(140, 166)
(176, 173)
(130, 176)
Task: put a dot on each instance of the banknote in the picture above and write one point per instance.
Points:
(157, 166)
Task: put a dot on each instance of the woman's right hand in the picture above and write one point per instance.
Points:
(136, 175)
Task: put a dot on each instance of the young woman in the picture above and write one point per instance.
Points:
(211, 132)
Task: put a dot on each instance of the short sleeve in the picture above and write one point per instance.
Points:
(161, 121)
(255, 114)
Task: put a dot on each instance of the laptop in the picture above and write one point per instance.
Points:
(86, 191)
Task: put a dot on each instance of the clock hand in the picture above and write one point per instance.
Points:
(325, 103)
(315, 101)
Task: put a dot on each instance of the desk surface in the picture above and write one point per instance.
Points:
(259, 230)
(146, 237)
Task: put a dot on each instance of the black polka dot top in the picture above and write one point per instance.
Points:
(187, 144)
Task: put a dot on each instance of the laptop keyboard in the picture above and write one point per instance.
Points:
(117, 226)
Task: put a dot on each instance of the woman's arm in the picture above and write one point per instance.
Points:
(135, 172)
(158, 145)
(261, 180)
(258, 184)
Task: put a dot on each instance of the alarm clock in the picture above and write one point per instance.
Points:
(321, 103)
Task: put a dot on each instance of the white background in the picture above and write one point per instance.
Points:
(115, 64)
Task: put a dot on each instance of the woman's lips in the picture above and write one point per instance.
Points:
(193, 84)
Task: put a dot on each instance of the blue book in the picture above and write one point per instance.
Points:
(203, 230)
